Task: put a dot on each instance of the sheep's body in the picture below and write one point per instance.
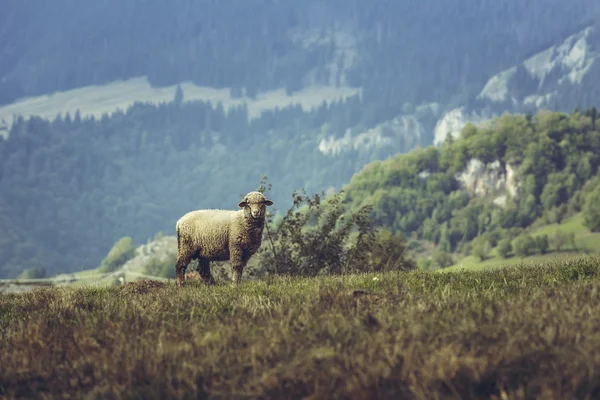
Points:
(209, 233)
(221, 235)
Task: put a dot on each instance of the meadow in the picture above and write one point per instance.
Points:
(517, 332)
(96, 100)
(586, 242)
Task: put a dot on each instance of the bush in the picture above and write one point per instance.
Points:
(317, 236)
(571, 240)
(442, 259)
(559, 239)
(33, 273)
(163, 267)
(481, 249)
(542, 243)
(591, 210)
(557, 214)
(466, 248)
(121, 252)
(389, 252)
(425, 263)
(524, 245)
(504, 247)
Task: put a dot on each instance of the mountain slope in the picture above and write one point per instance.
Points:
(413, 52)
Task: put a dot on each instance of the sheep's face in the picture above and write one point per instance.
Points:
(255, 205)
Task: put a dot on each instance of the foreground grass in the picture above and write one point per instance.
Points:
(506, 333)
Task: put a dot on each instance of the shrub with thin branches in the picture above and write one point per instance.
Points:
(319, 235)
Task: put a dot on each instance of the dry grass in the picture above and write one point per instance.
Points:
(518, 333)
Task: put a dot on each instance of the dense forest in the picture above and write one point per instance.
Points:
(554, 158)
(397, 51)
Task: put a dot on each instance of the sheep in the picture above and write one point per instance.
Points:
(221, 235)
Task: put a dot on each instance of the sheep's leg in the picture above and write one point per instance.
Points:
(180, 266)
(204, 271)
(237, 261)
(237, 273)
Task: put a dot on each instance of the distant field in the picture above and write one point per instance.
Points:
(519, 333)
(96, 100)
(587, 243)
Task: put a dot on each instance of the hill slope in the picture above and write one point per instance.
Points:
(285, 44)
(490, 184)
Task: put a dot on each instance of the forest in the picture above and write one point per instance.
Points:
(398, 52)
(554, 156)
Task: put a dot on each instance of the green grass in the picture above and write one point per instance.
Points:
(587, 243)
(474, 264)
(573, 224)
(520, 332)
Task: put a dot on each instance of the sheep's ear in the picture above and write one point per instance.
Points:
(242, 204)
(268, 202)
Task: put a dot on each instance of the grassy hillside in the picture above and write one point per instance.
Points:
(525, 332)
(584, 241)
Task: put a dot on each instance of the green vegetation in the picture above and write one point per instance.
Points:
(120, 253)
(33, 273)
(566, 240)
(163, 267)
(525, 332)
(551, 158)
(591, 210)
(71, 187)
(319, 236)
(549, 162)
(136, 172)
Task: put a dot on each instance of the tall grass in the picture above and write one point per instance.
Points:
(521, 332)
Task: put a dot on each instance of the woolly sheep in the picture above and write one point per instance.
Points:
(221, 235)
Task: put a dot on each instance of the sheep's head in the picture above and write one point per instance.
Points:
(255, 205)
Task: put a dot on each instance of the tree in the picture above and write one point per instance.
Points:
(591, 210)
(33, 273)
(524, 245)
(542, 243)
(557, 214)
(444, 244)
(389, 252)
(178, 98)
(559, 239)
(442, 259)
(571, 240)
(120, 253)
(504, 247)
(481, 249)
